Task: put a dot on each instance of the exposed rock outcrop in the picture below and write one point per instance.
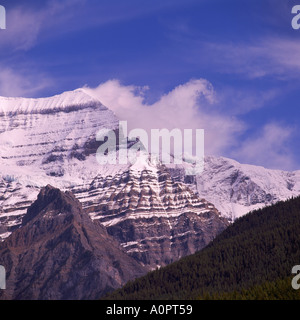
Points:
(60, 253)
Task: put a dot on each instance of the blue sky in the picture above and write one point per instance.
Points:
(231, 67)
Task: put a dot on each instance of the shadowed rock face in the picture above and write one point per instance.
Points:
(60, 253)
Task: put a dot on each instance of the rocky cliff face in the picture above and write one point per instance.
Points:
(59, 253)
(155, 219)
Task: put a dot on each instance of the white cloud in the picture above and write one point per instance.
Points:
(18, 84)
(268, 56)
(188, 106)
(193, 105)
(22, 29)
(269, 148)
(26, 24)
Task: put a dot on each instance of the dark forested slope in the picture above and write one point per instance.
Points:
(256, 252)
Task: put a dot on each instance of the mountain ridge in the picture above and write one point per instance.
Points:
(60, 101)
(236, 189)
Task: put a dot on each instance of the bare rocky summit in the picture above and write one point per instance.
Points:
(60, 253)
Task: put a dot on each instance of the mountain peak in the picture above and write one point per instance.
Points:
(60, 253)
(61, 101)
(53, 199)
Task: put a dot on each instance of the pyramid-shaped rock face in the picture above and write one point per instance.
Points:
(52, 200)
(59, 253)
(156, 219)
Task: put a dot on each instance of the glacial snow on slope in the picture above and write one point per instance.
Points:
(48, 141)
(62, 101)
(235, 189)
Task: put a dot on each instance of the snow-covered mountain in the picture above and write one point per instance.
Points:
(236, 188)
(47, 141)
(53, 141)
